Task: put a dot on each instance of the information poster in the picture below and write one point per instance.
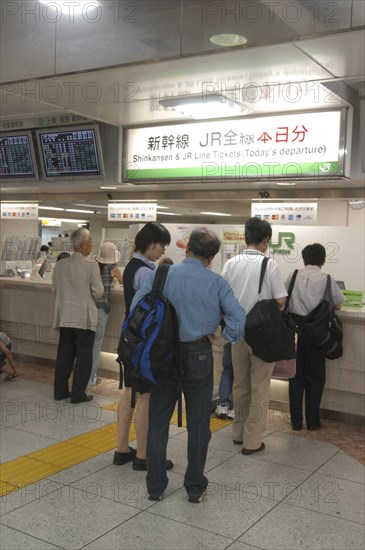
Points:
(19, 211)
(132, 212)
(233, 240)
(286, 213)
(294, 145)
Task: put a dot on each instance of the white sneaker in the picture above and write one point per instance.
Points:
(221, 410)
(230, 414)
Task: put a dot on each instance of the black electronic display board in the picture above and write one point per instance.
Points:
(73, 152)
(17, 160)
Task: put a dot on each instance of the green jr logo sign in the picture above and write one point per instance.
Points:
(285, 243)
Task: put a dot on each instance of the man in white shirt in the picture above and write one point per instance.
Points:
(308, 292)
(252, 375)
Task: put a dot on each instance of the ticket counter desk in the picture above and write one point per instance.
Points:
(26, 315)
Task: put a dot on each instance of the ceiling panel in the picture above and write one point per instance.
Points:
(260, 22)
(27, 42)
(124, 32)
(342, 55)
(129, 95)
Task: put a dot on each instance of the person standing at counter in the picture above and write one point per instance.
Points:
(107, 259)
(76, 285)
(252, 375)
(308, 292)
(200, 298)
(150, 244)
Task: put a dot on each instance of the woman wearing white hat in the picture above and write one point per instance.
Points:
(107, 259)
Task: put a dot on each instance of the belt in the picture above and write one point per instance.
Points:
(202, 340)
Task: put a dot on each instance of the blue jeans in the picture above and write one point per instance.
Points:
(226, 381)
(197, 368)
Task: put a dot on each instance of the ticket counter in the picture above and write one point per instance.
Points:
(26, 315)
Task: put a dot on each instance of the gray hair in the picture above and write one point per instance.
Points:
(204, 243)
(78, 236)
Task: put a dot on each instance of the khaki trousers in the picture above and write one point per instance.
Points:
(251, 395)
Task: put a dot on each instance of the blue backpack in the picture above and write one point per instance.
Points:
(149, 337)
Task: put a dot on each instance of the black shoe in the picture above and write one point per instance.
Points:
(237, 442)
(314, 427)
(123, 458)
(155, 498)
(83, 399)
(197, 499)
(59, 398)
(297, 426)
(252, 451)
(140, 464)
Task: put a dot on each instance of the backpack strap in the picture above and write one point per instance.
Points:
(328, 292)
(160, 278)
(264, 263)
(158, 286)
(133, 398)
(290, 290)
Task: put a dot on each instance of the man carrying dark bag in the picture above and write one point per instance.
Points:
(308, 292)
(200, 297)
(252, 374)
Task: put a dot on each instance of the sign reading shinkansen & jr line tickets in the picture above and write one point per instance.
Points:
(294, 145)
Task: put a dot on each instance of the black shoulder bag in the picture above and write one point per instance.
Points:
(268, 331)
(324, 328)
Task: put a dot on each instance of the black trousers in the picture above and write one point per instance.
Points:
(309, 379)
(74, 343)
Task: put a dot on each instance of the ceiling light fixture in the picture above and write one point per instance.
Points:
(79, 211)
(285, 183)
(215, 214)
(205, 106)
(72, 7)
(228, 40)
(93, 205)
(168, 214)
(50, 208)
(162, 207)
(108, 187)
(63, 220)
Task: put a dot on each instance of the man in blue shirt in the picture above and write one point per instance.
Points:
(200, 298)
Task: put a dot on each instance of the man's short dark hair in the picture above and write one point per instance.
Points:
(257, 230)
(62, 255)
(314, 254)
(204, 243)
(151, 233)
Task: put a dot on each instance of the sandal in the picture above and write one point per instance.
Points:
(10, 377)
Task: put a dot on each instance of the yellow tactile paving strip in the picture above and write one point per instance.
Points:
(35, 466)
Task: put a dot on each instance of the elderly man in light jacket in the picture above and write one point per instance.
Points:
(76, 284)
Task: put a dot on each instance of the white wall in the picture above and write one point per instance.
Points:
(344, 250)
(340, 229)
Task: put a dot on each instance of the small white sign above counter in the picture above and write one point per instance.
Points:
(285, 213)
(132, 212)
(19, 211)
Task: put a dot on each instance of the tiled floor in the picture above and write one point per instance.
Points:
(302, 492)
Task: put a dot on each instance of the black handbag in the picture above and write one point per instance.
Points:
(270, 332)
(323, 327)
